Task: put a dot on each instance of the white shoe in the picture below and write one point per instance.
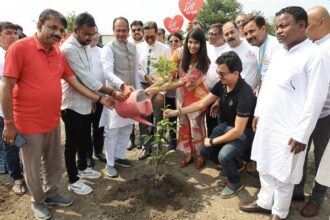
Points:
(80, 188)
(89, 173)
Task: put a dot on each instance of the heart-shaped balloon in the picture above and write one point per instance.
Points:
(190, 8)
(173, 25)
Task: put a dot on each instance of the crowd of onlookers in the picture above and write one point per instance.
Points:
(241, 98)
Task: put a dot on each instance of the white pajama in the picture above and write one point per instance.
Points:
(115, 143)
(275, 195)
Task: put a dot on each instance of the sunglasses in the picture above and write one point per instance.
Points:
(174, 41)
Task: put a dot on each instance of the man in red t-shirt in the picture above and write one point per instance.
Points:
(31, 104)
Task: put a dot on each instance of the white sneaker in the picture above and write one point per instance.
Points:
(80, 188)
(89, 173)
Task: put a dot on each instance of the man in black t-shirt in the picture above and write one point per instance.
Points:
(234, 130)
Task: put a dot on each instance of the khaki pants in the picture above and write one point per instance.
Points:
(41, 157)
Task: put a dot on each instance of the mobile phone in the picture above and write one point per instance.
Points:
(19, 141)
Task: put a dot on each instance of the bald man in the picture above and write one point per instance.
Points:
(318, 31)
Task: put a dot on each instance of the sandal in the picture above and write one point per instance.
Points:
(200, 163)
(186, 162)
(19, 188)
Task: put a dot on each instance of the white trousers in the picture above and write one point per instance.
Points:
(275, 195)
(115, 143)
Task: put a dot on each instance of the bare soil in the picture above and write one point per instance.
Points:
(179, 194)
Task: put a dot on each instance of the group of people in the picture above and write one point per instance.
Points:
(264, 99)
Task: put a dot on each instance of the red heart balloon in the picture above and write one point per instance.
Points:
(190, 8)
(173, 25)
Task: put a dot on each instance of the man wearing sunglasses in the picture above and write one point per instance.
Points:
(136, 31)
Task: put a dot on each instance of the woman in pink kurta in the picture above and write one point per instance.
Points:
(191, 87)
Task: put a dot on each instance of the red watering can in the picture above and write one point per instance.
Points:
(136, 105)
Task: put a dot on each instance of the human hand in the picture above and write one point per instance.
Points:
(168, 113)
(296, 147)
(151, 91)
(108, 102)
(255, 123)
(150, 79)
(127, 89)
(214, 110)
(207, 142)
(9, 133)
(160, 99)
(119, 95)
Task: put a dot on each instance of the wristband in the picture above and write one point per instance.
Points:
(211, 141)
(99, 99)
(111, 93)
(8, 121)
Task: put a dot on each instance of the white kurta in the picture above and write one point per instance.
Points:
(289, 105)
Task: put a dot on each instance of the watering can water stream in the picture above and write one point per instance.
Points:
(136, 105)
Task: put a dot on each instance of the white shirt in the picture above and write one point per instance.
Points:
(324, 44)
(213, 53)
(2, 62)
(157, 50)
(249, 62)
(288, 106)
(80, 61)
(97, 69)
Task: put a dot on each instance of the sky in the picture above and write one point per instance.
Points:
(26, 13)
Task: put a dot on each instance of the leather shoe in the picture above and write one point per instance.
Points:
(298, 197)
(252, 207)
(101, 157)
(144, 154)
(275, 217)
(311, 209)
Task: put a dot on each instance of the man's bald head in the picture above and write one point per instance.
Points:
(318, 23)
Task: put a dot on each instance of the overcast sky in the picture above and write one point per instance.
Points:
(25, 12)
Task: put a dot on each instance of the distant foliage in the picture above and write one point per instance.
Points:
(70, 19)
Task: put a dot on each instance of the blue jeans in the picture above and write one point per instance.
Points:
(11, 156)
(227, 153)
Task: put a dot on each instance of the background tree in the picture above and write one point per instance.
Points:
(269, 22)
(218, 11)
(70, 19)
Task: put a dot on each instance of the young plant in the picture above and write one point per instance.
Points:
(165, 70)
(160, 139)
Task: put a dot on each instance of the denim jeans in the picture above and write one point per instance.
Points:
(227, 153)
(78, 140)
(320, 138)
(11, 156)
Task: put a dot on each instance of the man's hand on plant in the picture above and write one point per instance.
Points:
(119, 95)
(150, 79)
(207, 142)
(168, 113)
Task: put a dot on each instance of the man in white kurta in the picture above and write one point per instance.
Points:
(318, 30)
(119, 61)
(288, 107)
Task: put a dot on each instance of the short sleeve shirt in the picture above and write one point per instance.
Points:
(37, 94)
(238, 102)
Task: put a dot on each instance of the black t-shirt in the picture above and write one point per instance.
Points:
(240, 101)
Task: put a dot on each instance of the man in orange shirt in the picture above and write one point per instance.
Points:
(31, 104)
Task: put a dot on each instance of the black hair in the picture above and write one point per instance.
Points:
(6, 25)
(259, 20)
(49, 13)
(203, 61)
(178, 35)
(120, 18)
(232, 60)
(136, 22)
(297, 12)
(218, 26)
(84, 19)
(150, 25)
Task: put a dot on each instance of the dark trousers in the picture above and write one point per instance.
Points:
(11, 156)
(97, 133)
(211, 123)
(227, 153)
(78, 140)
(320, 138)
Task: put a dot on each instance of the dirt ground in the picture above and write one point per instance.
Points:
(179, 194)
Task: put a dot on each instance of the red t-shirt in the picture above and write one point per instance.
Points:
(37, 94)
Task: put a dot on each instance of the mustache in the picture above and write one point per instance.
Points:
(56, 36)
(231, 39)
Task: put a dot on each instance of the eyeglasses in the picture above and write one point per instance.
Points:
(212, 34)
(137, 29)
(173, 41)
(222, 74)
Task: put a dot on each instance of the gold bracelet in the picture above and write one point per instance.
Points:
(179, 112)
